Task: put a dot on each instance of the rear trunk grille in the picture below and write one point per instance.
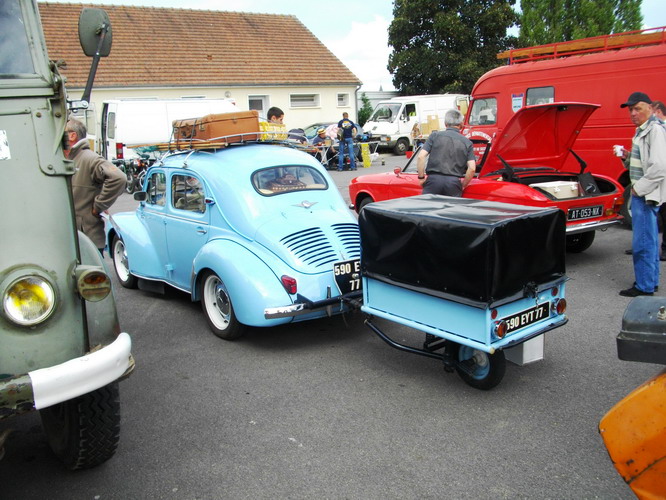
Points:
(314, 248)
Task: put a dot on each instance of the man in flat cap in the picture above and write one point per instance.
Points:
(647, 172)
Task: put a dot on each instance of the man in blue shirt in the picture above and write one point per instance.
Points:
(348, 129)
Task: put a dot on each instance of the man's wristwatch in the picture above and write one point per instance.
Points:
(421, 176)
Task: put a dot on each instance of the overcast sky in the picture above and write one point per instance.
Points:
(356, 31)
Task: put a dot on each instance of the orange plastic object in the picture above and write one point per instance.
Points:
(634, 432)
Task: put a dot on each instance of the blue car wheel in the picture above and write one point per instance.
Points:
(217, 307)
(121, 265)
(478, 368)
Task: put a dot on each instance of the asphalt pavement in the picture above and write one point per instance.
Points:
(325, 409)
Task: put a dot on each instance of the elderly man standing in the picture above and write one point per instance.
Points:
(647, 171)
(451, 165)
(96, 184)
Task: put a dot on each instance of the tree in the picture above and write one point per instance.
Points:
(365, 111)
(445, 45)
(550, 21)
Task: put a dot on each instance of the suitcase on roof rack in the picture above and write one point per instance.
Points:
(238, 126)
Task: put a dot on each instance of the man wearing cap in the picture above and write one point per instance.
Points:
(319, 142)
(647, 172)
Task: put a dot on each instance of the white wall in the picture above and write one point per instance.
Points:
(295, 117)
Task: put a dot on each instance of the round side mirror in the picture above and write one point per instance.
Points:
(92, 23)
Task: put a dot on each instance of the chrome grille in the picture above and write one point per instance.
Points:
(314, 248)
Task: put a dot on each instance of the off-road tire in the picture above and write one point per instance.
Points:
(84, 432)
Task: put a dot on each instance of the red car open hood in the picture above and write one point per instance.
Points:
(538, 136)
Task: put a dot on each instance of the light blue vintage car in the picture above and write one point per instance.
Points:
(258, 233)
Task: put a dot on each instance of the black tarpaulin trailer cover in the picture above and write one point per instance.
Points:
(476, 252)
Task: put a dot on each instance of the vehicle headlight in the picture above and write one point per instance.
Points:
(29, 300)
(92, 283)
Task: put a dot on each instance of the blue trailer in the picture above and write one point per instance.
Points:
(477, 277)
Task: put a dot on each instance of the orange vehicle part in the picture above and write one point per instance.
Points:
(634, 432)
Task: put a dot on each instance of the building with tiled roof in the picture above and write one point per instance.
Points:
(258, 60)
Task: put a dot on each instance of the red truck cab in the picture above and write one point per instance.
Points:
(602, 70)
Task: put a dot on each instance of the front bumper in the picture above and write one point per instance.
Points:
(55, 384)
(305, 306)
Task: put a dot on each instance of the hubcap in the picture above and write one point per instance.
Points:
(218, 305)
(120, 258)
(478, 361)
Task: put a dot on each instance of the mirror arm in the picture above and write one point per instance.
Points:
(95, 62)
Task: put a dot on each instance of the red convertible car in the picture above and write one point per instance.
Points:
(524, 166)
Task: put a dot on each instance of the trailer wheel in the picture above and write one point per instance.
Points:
(478, 368)
(84, 432)
(577, 243)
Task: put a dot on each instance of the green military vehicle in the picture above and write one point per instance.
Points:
(61, 349)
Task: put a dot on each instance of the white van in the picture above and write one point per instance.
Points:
(148, 121)
(392, 121)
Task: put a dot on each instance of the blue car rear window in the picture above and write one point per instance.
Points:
(277, 180)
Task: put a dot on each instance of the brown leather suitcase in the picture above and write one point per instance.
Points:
(222, 127)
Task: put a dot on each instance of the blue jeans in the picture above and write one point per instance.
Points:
(349, 143)
(645, 243)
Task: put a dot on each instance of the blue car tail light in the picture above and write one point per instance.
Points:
(290, 284)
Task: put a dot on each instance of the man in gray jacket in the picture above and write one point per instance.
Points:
(647, 172)
(96, 184)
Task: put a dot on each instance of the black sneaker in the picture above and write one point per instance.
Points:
(656, 288)
(634, 292)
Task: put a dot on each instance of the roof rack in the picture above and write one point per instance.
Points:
(604, 43)
(239, 139)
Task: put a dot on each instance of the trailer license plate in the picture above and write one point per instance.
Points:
(585, 212)
(348, 275)
(527, 317)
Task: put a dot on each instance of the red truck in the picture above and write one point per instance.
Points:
(602, 70)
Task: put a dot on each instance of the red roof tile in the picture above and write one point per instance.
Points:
(157, 47)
